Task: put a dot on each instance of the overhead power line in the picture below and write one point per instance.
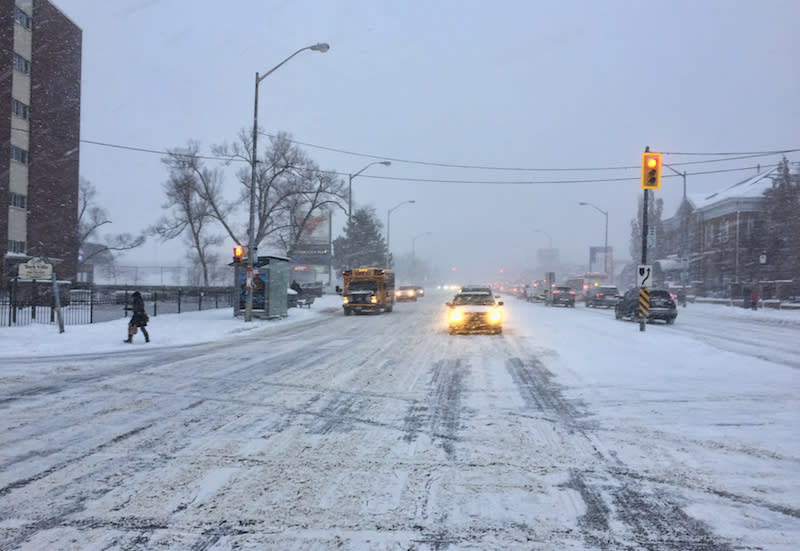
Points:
(733, 156)
(542, 182)
(748, 155)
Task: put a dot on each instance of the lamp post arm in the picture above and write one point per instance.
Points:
(279, 65)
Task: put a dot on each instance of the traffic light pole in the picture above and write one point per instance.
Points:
(643, 320)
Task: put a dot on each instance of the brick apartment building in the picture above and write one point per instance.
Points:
(41, 132)
(718, 235)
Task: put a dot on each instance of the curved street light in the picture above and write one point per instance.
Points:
(389, 222)
(350, 186)
(251, 233)
(605, 243)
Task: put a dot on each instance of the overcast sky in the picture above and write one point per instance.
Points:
(514, 84)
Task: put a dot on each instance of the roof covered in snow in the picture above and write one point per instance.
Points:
(752, 189)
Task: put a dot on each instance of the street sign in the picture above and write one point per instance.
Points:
(651, 237)
(644, 275)
(36, 268)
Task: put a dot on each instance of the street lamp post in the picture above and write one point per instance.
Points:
(685, 237)
(414, 251)
(605, 242)
(251, 232)
(350, 186)
(388, 225)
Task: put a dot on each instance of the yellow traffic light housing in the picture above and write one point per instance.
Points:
(651, 170)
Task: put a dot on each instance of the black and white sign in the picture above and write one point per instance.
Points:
(644, 275)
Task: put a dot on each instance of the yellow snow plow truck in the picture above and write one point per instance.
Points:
(367, 290)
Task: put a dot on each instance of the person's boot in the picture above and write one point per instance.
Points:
(146, 335)
(128, 340)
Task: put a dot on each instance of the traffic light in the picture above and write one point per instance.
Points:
(651, 170)
(237, 254)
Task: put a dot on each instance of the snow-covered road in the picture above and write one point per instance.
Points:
(569, 431)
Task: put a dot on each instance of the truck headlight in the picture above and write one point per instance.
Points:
(345, 300)
(455, 316)
(373, 299)
(495, 316)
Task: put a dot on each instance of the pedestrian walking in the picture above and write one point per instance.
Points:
(754, 299)
(139, 319)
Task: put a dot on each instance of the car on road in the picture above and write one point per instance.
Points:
(420, 291)
(602, 296)
(662, 306)
(477, 289)
(564, 296)
(405, 293)
(475, 312)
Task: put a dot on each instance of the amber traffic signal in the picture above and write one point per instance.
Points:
(237, 255)
(651, 170)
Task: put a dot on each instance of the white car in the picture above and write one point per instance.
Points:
(475, 311)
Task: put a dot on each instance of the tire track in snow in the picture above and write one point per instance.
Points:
(619, 509)
(441, 410)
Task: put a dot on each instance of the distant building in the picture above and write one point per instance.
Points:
(41, 87)
(717, 235)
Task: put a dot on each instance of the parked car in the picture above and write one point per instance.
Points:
(662, 306)
(475, 312)
(564, 296)
(605, 296)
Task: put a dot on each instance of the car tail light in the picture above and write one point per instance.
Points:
(572, 292)
(556, 292)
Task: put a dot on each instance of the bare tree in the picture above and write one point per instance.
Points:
(190, 216)
(314, 192)
(289, 187)
(91, 217)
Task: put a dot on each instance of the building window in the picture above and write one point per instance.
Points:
(16, 246)
(751, 226)
(709, 237)
(18, 154)
(723, 231)
(18, 200)
(21, 64)
(20, 109)
(22, 18)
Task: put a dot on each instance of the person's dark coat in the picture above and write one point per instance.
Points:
(296, 287)
(139, 318)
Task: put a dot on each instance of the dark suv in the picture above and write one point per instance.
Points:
(605, 296)
(662, 306)
(564, 296)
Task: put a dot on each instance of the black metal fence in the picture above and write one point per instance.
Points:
(25, 303)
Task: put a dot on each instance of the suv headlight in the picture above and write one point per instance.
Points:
(495, 316)
(455, 316)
